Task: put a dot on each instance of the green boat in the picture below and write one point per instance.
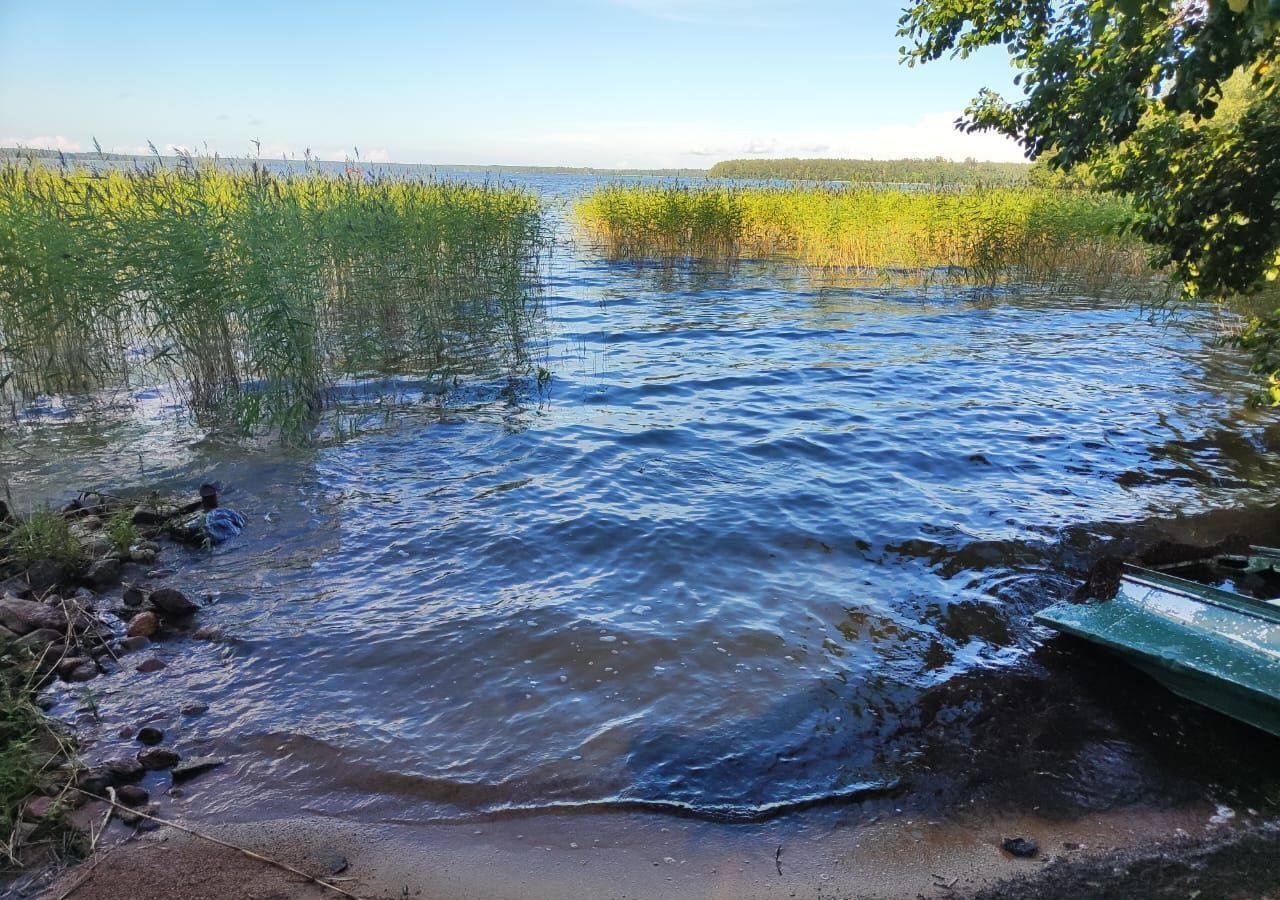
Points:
(1208, 644)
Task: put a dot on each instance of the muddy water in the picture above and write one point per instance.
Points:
(761, 542)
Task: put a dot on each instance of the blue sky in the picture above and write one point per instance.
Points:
(573, 82)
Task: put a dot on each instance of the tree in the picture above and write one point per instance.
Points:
(1132, 90)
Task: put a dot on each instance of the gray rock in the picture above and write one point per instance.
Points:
(143, 557)
(25, 616)
(123, 770)
(7, 635)
(44, 575)
(40, 637)
(86, 671)
(68, 664)
(329, 859)
(197, 765)
(134, 644)
(1020, 846)
(134, 820)
(144, 514)
(157, 758)
(95, 782)
(172, 603)
(195, 708)
(151, 665)
(104, 572)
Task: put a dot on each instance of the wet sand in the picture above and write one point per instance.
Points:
(641, 856)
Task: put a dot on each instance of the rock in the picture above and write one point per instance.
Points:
(195, 708)
(132, 795)
(88, 523)
(96, 545)
(153, 546)
(329, 859)
(134, 644)
(206, 633)
(95, 782)
(158, 758)
(122, 770)
(1020, 847)
(127, 731)
(68, 664)
(133, 596)
(41, 636)
(104, 572)
(44, 576)
(150, 515)
(144, 557)
(159, 573)
(150, 665)
(150, 735)
(26, 616)
(7, 635)
(86, 671)
(37, 808)
(144, 624)
(172, 603)
(197, 765)
(134, 820)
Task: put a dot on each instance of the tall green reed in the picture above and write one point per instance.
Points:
(255, 293)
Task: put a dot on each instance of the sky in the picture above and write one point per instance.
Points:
(606, 83)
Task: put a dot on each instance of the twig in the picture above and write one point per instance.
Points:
(106, 820)
(213, 840)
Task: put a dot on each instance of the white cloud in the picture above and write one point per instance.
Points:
(43, 142)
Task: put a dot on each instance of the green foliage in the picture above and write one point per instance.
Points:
(120, 531)
(1173, 103)
(43, 535)
(937, 171)
(982, 234)
(257, 293)
(20, 727)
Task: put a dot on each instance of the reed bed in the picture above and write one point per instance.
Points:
(981, 234)
(255, 293)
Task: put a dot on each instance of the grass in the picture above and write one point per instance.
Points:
(43, 535)
(254, 293)
(120, 531)
(980, 234)
(881, 171)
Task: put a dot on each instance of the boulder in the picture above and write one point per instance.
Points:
(41, 636)
(172, 603)
(26, 616)
(133, 595)
(68, 664)
(144, 624)
(44, 576)
(86, 671)
(157, 758)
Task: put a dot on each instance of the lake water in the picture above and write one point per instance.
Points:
(717, 565)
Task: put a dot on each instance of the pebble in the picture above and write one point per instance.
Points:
(195, 708)
(86, 671)
(1024, 848)
(135, 643)
(151, 665)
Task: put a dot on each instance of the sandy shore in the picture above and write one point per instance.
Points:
(640, 856)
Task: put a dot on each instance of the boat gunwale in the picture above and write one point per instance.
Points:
(1194, 590)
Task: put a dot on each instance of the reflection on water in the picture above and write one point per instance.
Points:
(714, 563)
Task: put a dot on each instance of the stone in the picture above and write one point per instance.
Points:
(127, 731)
(133, 595)
(7, 635)
(153, 546)
(149, 734)
(172, 603)
(197, 765)
(157, 758)
(206, 633)
(144, 624)
(134, 644)
(44, 576)
(86, 671)
(195, 708)
(1024, 848)
(40, 637)
(96, 545)
(88, 523)
(132, 794)
(95, 782)
(143, 557)
(159, 573)
(144, 514)
(329, 859)
(150, 665)
(68, 664)
(123, 770)
(37, 808)
(104, 572)
(26, 616)
(135, 817)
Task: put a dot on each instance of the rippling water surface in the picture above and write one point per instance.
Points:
(711, 565)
